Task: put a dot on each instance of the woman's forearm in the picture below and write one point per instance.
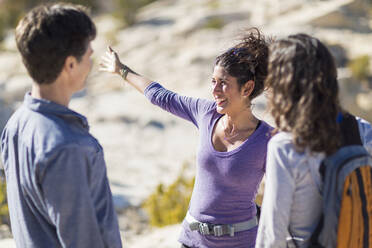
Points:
(137, 81)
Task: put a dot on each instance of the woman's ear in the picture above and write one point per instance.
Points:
(248, 88)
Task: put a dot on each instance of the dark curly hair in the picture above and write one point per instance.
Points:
(48, 34)
(303, 79)
(247, 60)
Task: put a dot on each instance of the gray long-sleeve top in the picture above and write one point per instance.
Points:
(292, 200)
(58, 192)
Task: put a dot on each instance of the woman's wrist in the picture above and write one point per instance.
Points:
(123, 71)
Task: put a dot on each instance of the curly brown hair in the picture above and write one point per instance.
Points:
(304, 100)
(247, 60)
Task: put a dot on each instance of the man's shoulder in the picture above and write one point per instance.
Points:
(56, 133)
(45, 131)
(13, 125)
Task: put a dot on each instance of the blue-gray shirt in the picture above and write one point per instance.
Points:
(58, 192)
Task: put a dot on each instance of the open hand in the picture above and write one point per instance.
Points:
(110, 62)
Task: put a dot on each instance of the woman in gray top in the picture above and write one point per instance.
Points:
(304, 102)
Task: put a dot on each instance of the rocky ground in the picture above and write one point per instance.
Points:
(173, 44)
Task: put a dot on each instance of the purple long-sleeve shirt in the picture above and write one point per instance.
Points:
(226, 183)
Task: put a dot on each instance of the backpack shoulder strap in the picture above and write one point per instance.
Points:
(349, 136)
(350, 131)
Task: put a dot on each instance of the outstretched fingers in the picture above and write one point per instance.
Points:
(114, 53)
(106, 64)
(109, 61)
(103, 67)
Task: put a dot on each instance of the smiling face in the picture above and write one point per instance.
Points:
(229, 97)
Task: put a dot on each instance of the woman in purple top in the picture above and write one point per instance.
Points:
(232, 151)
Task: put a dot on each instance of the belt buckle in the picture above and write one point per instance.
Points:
(204, 228)
(217, 229)
(231, 230)
(194, 226)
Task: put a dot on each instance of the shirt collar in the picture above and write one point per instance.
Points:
(46, 106)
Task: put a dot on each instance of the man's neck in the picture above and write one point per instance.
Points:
(52, 92)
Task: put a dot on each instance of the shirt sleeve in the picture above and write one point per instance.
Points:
(264, 165)
(68, 198)
(4, 149)
(278, 195)
(188, 108)
(365, 130)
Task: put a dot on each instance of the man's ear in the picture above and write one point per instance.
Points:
(247, 88)
(70, 64)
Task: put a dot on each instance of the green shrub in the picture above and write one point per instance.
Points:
(168, 205)
(359, 68)
(214, 23)
(127, 9)
(2, 28)
(213, 4)
(91, 4)
(9, 15)
(4, 211)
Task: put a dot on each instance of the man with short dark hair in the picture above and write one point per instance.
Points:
(58, 192)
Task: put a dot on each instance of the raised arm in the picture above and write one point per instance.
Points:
(188, 108)
(111, 63)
